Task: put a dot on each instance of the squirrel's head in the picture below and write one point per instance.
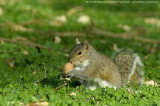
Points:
(80, 52)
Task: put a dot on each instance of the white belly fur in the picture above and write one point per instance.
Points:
(97, 82)
(82, 66)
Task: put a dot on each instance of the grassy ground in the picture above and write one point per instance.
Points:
(30, 74)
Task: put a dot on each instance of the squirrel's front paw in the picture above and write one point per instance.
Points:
(70, 74)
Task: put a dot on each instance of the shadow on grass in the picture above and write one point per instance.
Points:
(55, 82)
(51, 82)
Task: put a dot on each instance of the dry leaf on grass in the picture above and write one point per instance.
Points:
(11, 65)
(61, 18)
(72, 94)
(10, 61)
(115, 47)
(74, 10)
(34, 72)
(124, 27)
(25, 52)
(1, 11)
(103, 41)
(1, 42)
(25, 43)
(20, 39)
(153, 21)
(57, 39)
(16, 27)
(58, 21)
(3, 2)
(83, 19)
(38, 104)
(20, 28)
(153, 49)
(152, 83)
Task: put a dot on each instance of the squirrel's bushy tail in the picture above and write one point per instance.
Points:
(129, 65)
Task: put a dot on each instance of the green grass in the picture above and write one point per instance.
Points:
(36, 75)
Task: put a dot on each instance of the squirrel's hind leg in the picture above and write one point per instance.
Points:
(88, 84)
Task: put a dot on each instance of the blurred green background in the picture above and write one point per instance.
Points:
(37, 35)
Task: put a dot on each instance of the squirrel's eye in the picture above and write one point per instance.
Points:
(79, 53)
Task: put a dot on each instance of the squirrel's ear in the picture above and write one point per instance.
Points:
(85, 44)
(77, 41)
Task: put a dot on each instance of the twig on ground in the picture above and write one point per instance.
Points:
(134, 35)
(147, 40)
(62, 85)
(62, 33)
(125, 35)
(29, 44)
(33, 21)
(96, 32)
(6, 51)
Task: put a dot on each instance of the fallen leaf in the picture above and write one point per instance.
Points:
(25, 52)
(58, 21)
(133, 91)
(103, 41)
(12, 64)
(3, 2)
(74, 10)
(98, 103)
(17, 27)
(153, 49)
(72, 94)
(38, 104)
(57, 39)
(21, 104)
(6, 51)
(1, 11)
(66, 55)
(115, 47)
(61, 18)
(152, 83)
(124, 27)
(153, 21)
(37, 81)
(10, 61)
(83, 19)
(20, 28)
(2, 42)
(147, 56)
(34, 72)
(19, 38)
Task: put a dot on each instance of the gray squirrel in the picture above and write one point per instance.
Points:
(94, 69)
